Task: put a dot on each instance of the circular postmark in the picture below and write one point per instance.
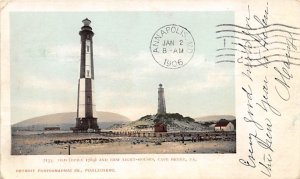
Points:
(172, 46)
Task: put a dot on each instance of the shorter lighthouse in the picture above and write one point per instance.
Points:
(161, 100)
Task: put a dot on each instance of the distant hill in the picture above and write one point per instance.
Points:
(67, 120)
(174, 122)
(214, 118)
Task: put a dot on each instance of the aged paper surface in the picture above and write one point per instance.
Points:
(256, 47)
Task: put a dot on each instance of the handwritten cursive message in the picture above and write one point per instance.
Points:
(267, 50)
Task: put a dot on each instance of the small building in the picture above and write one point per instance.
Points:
(160, 127)
(224, 125)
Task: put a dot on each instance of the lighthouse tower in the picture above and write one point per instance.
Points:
(161, 101)
(86, 120)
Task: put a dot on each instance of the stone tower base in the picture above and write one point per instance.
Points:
(86, 125)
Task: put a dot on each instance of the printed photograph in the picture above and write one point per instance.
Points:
(121, 83)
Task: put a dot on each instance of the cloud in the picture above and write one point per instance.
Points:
(216, 79)
(133, 112)
(142, 65)
(199, 75)
(44, 83)
(131, 89)
(71, 52)
(125, 84)
(105, 53)
(33, 108)
(50, 106)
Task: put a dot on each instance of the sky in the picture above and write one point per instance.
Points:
(45, 56)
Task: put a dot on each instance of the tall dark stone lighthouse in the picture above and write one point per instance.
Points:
(86, 120)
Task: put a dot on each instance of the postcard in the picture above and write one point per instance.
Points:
(142, 89)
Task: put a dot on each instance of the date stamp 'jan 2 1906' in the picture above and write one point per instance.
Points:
(172, 46)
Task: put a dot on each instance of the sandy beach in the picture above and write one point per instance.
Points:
(91, 143)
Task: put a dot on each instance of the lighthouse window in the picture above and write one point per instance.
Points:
(87, 48)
